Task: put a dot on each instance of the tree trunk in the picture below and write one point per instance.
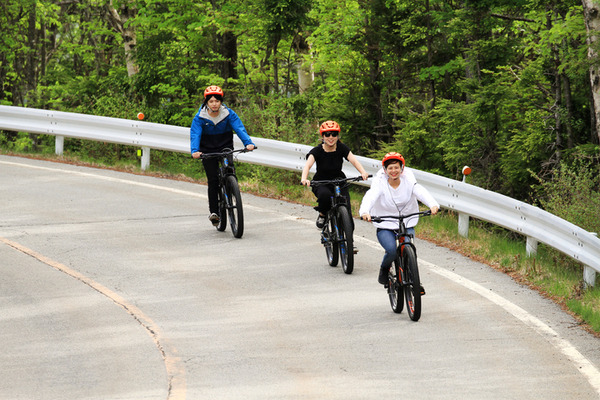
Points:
(118, 19)
(430, 82)
(566, 84)
(373, 54)
(306, 75)
(556, 91)
(592, 24)
(229, 52)
(30, 63)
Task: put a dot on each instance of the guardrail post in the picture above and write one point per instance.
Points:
(463, 224)
(463, 219)
(59, 145)
(589, 276)
(145, 157)
(531, 246)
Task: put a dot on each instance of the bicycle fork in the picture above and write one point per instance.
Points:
(327, 235)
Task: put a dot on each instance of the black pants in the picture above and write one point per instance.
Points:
(324, 194)
(211, 167)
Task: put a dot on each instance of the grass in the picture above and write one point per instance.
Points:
(551, 273)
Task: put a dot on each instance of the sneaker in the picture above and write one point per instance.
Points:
(320, 221)
(355, 250)
(214, 218)
(383, 276)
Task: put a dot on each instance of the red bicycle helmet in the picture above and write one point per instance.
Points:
(393, 156)
(213, 90)
(329, 126)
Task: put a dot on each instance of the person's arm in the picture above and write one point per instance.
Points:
(240, 130)
(195, 135)
(307, 166)
(354, 161)
(426, 198)
(368, 202)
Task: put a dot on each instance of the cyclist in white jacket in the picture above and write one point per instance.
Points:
(394, 191)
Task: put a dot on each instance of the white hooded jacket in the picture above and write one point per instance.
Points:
(381, 199)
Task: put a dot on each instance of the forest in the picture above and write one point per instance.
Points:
(508, 87)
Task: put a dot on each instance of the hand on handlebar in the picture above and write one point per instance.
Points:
(197, 154)
(434, 210)
(366, 217)
(305, 182)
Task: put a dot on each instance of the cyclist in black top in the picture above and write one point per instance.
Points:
(329, 157)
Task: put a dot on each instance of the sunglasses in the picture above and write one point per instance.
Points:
(330, 133)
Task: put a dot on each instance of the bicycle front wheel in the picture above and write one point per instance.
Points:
(412, 287)
(346, 241)
(328, 239)
(222, 210)
(234, 206)
(395, 292)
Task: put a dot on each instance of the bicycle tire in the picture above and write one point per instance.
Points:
(412, 288)
(234, 206)
(395, 291)
(331, 246)
(222, 210)
(346, 241)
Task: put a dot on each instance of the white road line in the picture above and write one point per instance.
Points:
(110, 179)
(583, 365)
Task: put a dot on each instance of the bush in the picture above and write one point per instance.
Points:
(573, 193)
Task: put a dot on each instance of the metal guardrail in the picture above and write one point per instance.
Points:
(535, 224)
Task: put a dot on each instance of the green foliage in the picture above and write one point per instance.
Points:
(501, 86)
(17, 142)
(573, 193)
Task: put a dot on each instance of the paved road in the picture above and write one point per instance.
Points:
(115, 286)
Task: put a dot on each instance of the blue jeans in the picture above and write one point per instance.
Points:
(387, 240)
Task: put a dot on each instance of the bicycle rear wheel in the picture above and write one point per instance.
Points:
(395, 292)
(328, 240)
(222, 210)
(234, 206)
(346, 242)
(412, 287)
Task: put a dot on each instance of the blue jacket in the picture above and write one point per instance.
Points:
(212, 135)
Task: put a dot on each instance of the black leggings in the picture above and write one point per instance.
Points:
(324, 194)
(211, 167)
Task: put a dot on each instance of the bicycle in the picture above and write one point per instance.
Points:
(230, 199)
(403, 279)
(336, 234)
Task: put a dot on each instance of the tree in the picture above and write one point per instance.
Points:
(592, 23)
(120, 14)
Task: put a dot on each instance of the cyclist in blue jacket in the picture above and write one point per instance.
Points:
(212, 132)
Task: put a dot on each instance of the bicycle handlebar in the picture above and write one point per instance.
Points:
(337, 181)
(225, 153)
(399, 217)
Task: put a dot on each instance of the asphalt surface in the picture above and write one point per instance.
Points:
(116, 286)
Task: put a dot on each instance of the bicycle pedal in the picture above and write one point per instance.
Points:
(422, 291)
(355, 250)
